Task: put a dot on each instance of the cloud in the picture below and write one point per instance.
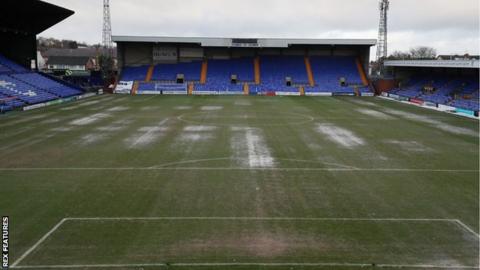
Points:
(450, 26)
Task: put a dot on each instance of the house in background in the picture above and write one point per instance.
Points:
(71, 63)
(78, 66)
(82, 59)
(72, 59)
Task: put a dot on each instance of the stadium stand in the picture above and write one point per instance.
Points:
(20, 86)
(461, 92)
(262, 74)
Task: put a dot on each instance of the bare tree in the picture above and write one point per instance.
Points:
(399, 55)
(423, 52)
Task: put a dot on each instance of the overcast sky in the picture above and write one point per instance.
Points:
(451, 26)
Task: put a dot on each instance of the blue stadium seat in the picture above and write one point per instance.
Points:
(46, 84)
(134, 73)
(275, 69)
(220, 72)
(20, 87)
(8, 103)
(7, 66)
(168, 72)
(12, 87)
(450, 90)
(328, 70)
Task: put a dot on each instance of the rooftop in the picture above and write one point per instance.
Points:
(80, 52)
(68, 60)
(30, 16)
(434, 63)
(244, 42)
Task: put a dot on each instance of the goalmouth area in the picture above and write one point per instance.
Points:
(243, 241)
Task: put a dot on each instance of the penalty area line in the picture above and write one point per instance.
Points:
(359, 265)
(464, 226)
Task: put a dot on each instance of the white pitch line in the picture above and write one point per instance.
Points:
(238, 169)
(360, 265)
(327, 264)
(149, 135)
(241, 159)
(190, 162)
(319, 162)
(38, 243)
(302, 119)
(265, 219)
(467, 228)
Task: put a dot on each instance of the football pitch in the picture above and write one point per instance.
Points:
(177, 182)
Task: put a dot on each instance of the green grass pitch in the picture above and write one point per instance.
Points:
(158, 182)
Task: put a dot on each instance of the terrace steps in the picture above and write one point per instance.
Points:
(148, 78)
(136, 84)
(203, 74)
(302, 90)
(308, 66)
(361, 70)
(257, 70)
(246, 89)
(190, 88)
